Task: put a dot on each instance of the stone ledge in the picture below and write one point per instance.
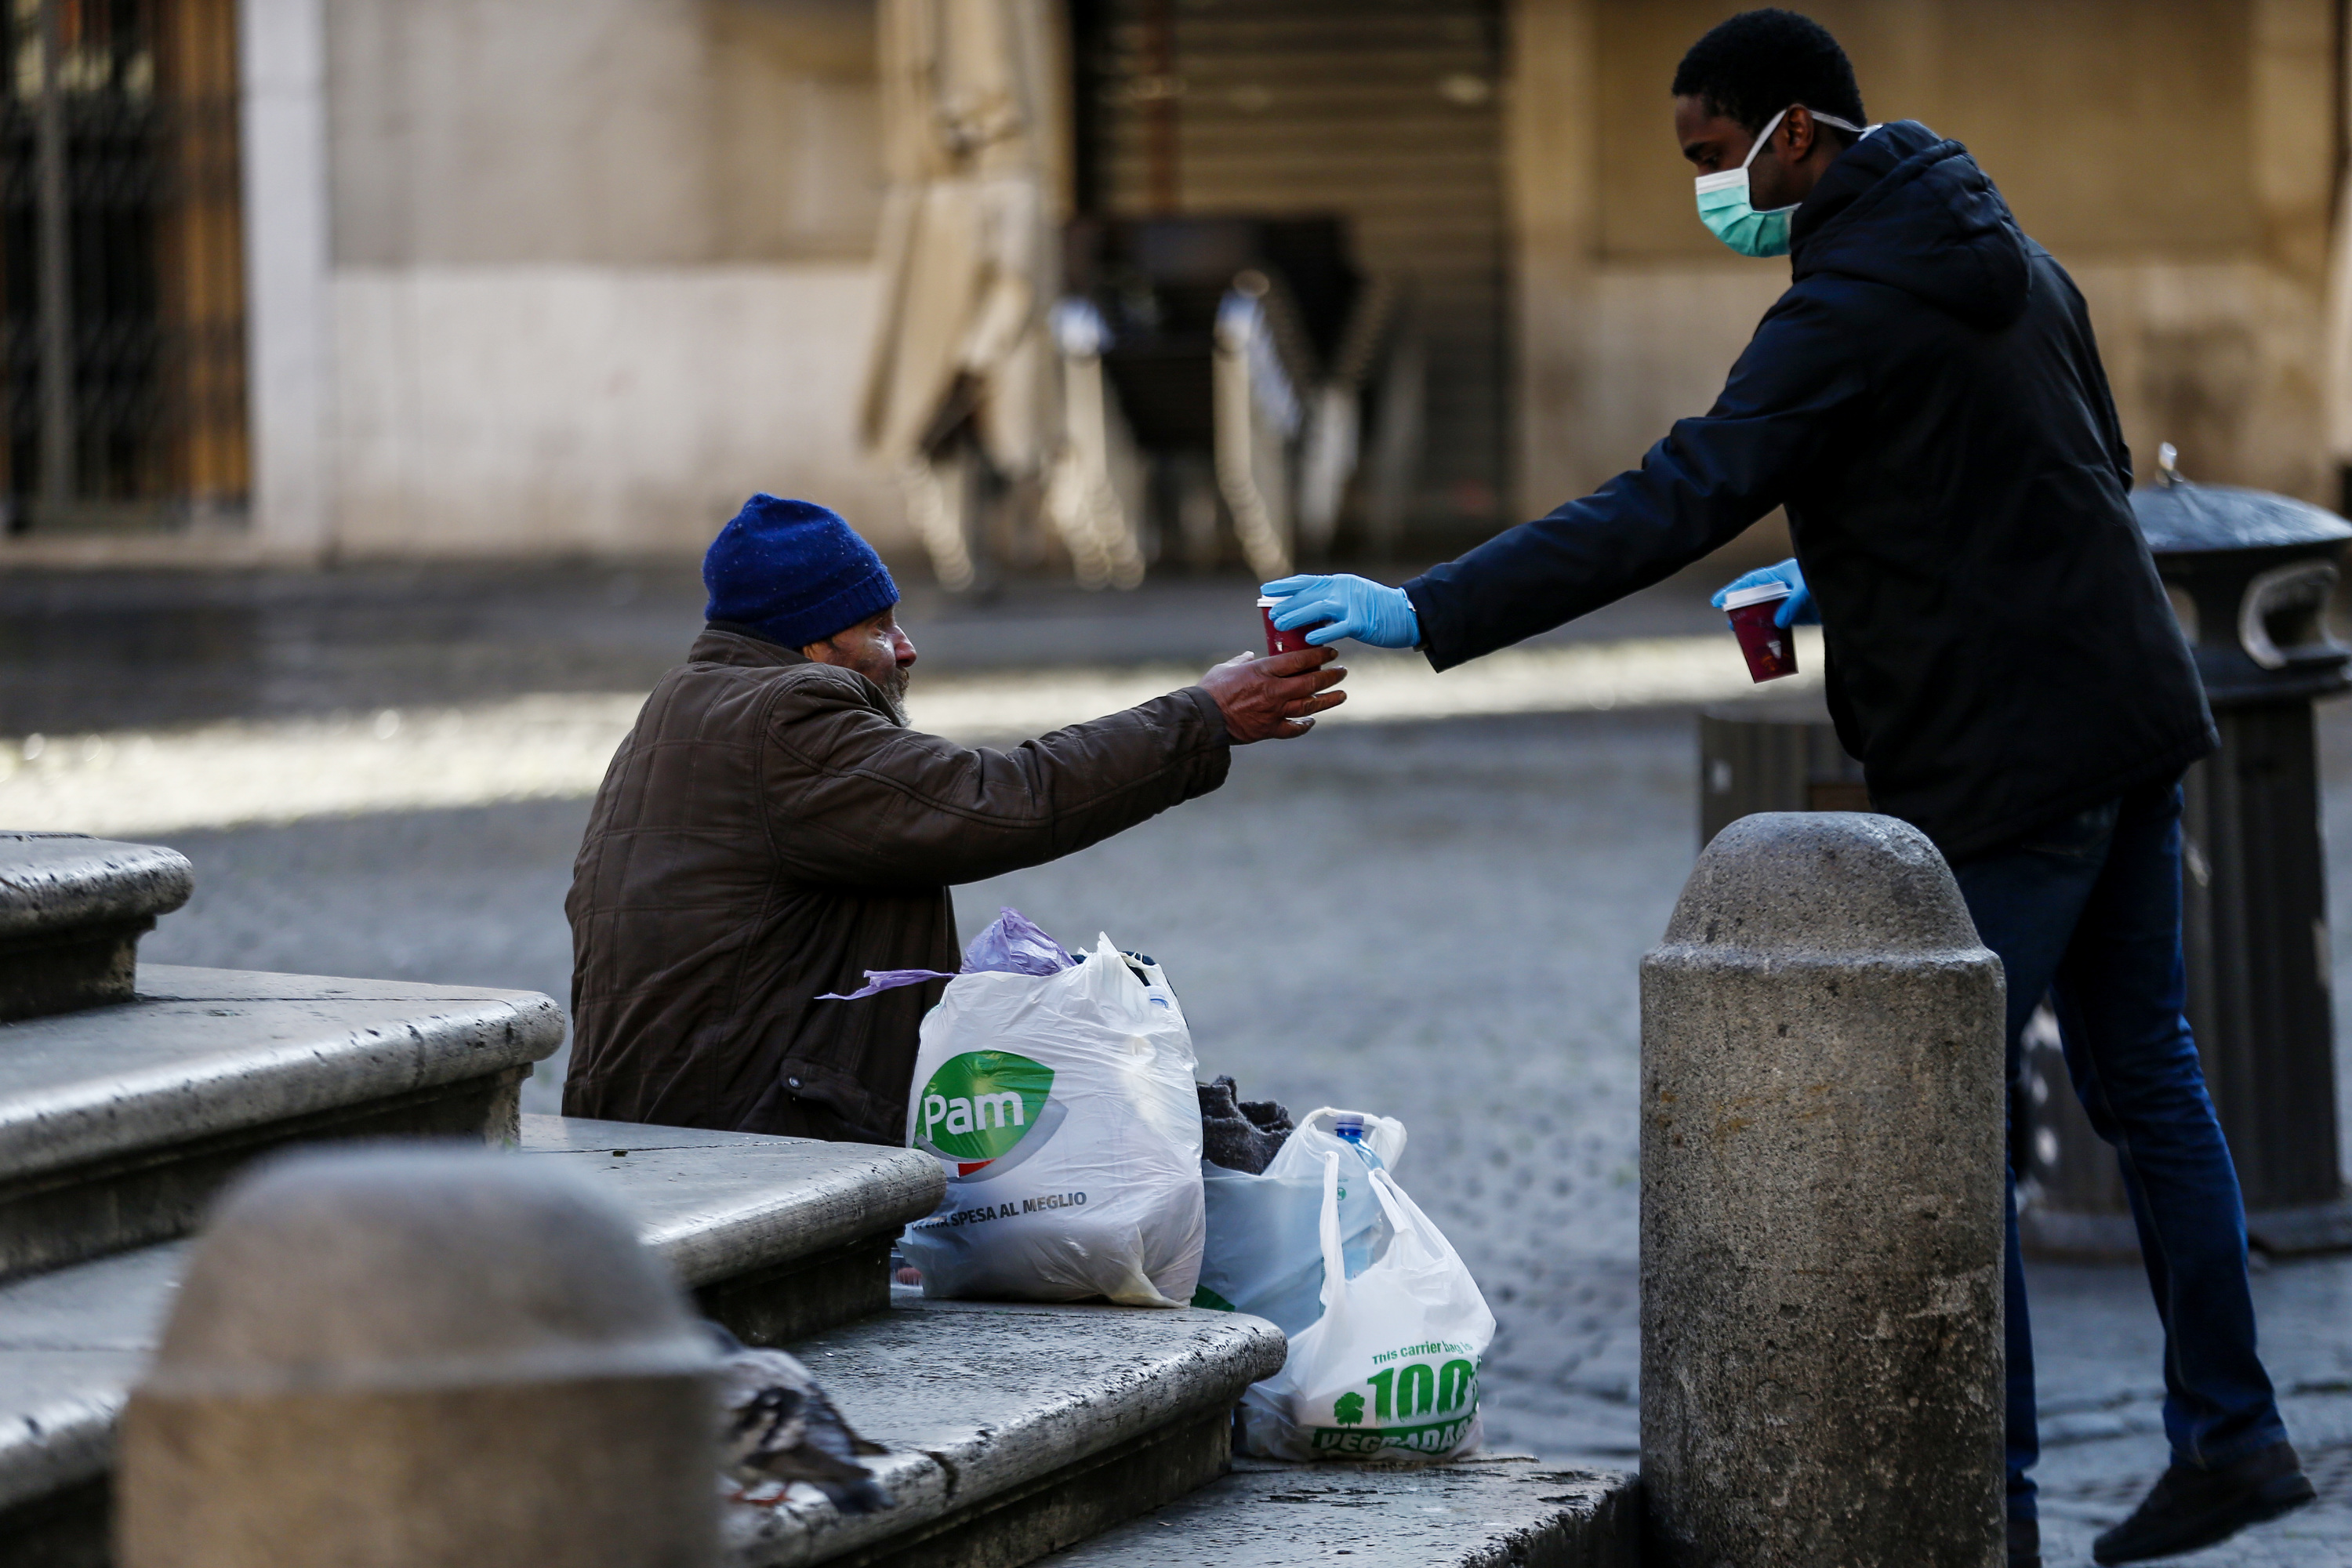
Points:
(72, 910)
(1494, 1511)
(1073, 1503)
(70, 1345)
(206, 1051)
(72, 1342)
(778, 1237)
(990, 1403)
(55, 1219)
(51, 881)
(118, 1124)
(715, 1204)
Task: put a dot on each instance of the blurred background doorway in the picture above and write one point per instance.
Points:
(122, 273)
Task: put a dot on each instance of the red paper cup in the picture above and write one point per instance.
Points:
(1771, 651)
(1279, 641)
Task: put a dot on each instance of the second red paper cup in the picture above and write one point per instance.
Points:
(1771, 651)
(1279, 641)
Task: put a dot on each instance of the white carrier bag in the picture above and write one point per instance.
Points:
(1262, 1254)
(1390, 1369)
(1063, 1107)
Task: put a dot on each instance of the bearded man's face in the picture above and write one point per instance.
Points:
(877, 649)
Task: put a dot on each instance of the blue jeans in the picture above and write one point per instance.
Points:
(2088, 910)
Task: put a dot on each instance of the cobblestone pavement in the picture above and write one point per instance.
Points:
(1440, 921)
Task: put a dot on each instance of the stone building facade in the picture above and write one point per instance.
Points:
(560, 276)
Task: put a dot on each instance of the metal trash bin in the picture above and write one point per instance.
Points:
(2256, 571)
(1773, 753)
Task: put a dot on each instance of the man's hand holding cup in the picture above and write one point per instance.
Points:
(1275, 696)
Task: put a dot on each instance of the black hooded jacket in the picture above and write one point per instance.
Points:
(1927, 402)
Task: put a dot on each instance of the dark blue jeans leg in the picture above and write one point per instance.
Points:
(2119, 991)
(2025, 899)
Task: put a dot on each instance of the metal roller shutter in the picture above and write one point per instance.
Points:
(1383, 111)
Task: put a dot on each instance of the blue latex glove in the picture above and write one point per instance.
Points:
(1356, 607)
(1797, 610)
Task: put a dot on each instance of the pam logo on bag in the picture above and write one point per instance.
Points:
(978, 1106)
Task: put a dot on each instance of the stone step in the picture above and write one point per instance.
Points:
(778, 1237)
(118, 1124)
(72, 910)
(771, 1233)
(1014, 1430)
(1486, 1511)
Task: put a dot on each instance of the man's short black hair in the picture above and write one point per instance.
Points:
(1756, 64)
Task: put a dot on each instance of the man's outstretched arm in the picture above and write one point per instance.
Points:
(1697, 489)
(858, 799)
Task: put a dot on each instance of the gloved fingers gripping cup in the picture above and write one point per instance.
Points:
(1348, 605)
(1762, 606)
(1797, 610)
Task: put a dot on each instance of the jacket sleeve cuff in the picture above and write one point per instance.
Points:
(1440, 632)
(1212, 718)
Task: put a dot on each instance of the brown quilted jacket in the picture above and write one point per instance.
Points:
(766, 833)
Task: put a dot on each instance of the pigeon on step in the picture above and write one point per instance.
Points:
(777, 1426)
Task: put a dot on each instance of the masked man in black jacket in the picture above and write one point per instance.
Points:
(1928, 403)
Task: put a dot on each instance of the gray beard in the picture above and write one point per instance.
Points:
(893, 693)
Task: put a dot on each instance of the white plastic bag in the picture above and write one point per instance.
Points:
(1263, 1253)
(1391, 1370)
(1062, 1105)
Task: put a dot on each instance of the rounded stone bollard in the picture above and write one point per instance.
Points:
(418, 1356)
(1822, 1155)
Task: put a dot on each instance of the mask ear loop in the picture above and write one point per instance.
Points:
(1764, 138)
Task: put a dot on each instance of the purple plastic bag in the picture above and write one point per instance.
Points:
(878, 981)
(1013, 944)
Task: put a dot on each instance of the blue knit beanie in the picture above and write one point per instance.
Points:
(793, 572)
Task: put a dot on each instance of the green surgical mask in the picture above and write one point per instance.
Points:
(1724, 207)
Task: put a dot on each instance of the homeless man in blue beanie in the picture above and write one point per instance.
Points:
(1927, 402)
(771, 829)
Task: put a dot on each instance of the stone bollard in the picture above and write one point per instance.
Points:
(1822, 1147)
(416, 1356)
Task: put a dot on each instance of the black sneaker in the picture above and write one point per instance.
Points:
(2024, 1542)
(2189, 1507)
